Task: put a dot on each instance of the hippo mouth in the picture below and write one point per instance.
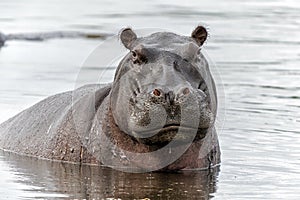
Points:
(175, 133)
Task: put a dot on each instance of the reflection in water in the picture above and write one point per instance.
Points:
(37, 178)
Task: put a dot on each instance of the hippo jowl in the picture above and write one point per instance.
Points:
(158, 114)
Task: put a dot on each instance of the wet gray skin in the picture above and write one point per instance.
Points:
(163, 93)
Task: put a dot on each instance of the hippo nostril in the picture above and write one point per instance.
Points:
(186, 91)
(183, 93)
(156, 92)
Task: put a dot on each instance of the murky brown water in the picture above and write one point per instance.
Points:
(255, 46)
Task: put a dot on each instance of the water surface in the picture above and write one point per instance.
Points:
(255, 47)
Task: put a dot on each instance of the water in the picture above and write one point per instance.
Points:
(255, 46)
(32, 178)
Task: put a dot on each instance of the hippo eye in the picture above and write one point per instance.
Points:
(176, 66)
(134, 57)
(185, 60)
(138, 57)
(134, 54)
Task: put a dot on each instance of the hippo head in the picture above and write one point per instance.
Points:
(163, 88)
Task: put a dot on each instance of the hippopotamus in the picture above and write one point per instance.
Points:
(158, 114)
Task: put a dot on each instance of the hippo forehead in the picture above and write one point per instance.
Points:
(166, 41)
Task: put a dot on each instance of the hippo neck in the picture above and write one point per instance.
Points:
(190, 159)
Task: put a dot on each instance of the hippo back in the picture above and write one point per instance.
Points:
(48, 129)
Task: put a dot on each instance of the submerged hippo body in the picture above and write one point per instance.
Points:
(158, 114)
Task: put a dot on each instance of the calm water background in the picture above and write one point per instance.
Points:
(256, 48)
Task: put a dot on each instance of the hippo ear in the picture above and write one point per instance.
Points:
(127, 37)
(200, 35)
